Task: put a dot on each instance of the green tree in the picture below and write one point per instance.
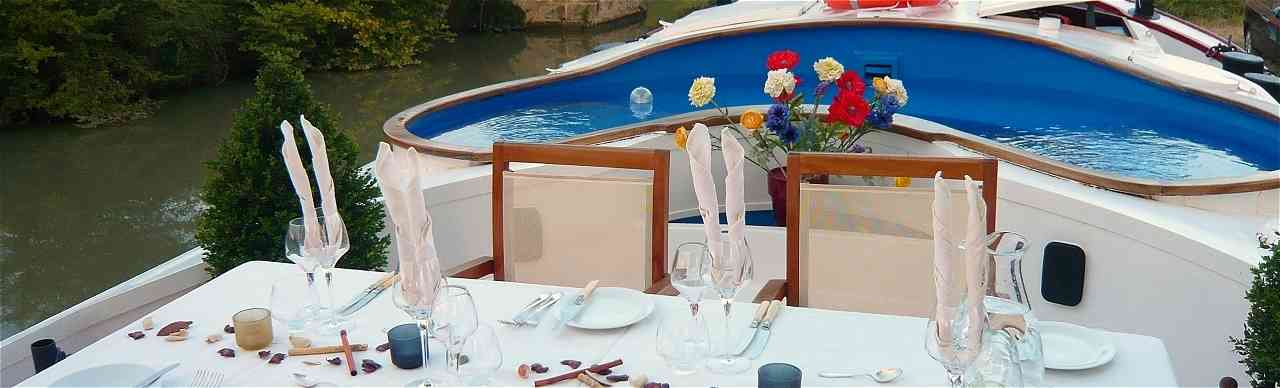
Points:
(1260, 344)
(249, 195)
(345, 34)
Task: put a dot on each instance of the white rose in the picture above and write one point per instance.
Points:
(828, 69)
(896, 88)
(778, 82)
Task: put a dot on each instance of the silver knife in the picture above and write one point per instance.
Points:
(363, 298)
(755, 326)
(570, 310)
(156, 376)
(766, 326)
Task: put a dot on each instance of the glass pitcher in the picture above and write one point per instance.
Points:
(1006, 250)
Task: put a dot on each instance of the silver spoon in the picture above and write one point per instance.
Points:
(883, 375)
(305, 381)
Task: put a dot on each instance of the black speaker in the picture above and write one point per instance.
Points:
(1144, 9)
(1062, 275)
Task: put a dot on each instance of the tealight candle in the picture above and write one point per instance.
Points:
(778, 375)
(253, 328)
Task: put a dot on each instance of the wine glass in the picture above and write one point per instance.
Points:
(728, 273)
(418, 303)
(950, 346)
(334, 244)
(691, 272)
(480, 356)
(289, 304)
(295, 249)
(454, 318)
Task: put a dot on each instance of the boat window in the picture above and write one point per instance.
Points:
(1078, 15)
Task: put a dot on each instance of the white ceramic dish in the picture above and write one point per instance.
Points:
(107, 375)
(613, 307)
(1071, 347)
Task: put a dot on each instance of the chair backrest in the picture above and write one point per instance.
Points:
(863, 244)
(600, 213)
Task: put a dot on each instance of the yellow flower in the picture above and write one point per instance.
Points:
(702, 91)
(828, 69)
(880, 85)
(682, 137)
(751, 120)
(898, 89)
(902, 181)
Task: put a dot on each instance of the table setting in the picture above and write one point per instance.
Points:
(311, 324)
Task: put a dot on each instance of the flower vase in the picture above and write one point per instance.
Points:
(778, 192)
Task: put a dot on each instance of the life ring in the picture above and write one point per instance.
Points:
(867, 4)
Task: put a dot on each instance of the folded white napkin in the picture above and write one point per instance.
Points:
(734, 204)
(975, 257)
(699, 148)
(324, 180)
(943, 281)
(301, 186)
(397, 173)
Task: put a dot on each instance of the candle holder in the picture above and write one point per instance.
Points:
(407, 346)
(253, 328)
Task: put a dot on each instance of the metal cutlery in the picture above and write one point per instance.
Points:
(532, 319)
(756, 348)
(571, 310)
(883, 375)
(207, 379)
(524, 311)
(156, 376)
(370, 293)
(755, 326)
(528, 315)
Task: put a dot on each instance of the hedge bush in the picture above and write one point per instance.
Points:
(1260, 344)
(249, 195)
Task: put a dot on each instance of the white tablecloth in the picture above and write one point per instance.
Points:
(814, 340)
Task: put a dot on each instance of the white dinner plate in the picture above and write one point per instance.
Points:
(1071, 347)
(613, 307)
(107, 375)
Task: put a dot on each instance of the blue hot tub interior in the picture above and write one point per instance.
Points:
(1030, 96)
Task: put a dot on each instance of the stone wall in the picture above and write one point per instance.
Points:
(578, 12)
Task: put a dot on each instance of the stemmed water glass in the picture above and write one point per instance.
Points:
(454, 320)
(323, 254)
(951, 348)
(684, 342)
(729, 272)
(419, 303)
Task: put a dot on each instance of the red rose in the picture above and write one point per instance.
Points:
(848, 108)
(851, 82)
(782, 59)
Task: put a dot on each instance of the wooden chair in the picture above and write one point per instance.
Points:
(869, 247)
(598, 213)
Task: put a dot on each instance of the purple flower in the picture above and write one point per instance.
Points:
(778, 120)
(880, 119)
(858, 148)
(889, 103)
(822, 87)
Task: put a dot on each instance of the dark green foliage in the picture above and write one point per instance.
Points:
(249, 195)
(102, 62)
(349, 34)
(1260, 344)
(486, 15)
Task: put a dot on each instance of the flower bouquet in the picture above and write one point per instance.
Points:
(791, 124)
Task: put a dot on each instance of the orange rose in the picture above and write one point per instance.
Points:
(751, 120)
(682, 137)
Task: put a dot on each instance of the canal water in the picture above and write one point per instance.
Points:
(84, 209)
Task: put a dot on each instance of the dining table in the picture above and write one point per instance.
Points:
(814, 340)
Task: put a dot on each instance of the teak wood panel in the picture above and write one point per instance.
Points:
(800, 164)
(656, 160)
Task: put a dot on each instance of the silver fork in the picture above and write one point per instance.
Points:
(524, 311)
(528, 317)
(207, 379)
